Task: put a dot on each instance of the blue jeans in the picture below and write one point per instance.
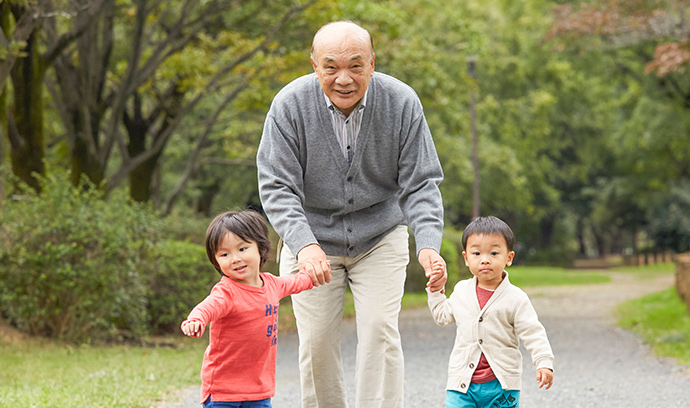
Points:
(485, 395)
(239, 404)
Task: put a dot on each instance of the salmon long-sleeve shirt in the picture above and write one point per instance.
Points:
(240, 360)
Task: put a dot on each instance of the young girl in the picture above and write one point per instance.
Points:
(240, 361)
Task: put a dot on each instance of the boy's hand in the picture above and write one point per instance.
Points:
(438, 268)
(545, 377)
(191, 328)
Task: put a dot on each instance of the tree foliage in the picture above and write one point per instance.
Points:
(583, 114)
(640, 47)
(581, 107)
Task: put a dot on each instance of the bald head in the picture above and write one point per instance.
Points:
(341, 32)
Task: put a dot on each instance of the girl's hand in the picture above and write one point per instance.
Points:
(192, 328)
(545, 377)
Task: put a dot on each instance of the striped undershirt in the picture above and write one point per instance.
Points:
(346, 128)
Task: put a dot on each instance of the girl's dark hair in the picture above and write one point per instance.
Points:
(248, 225)
(489, 226)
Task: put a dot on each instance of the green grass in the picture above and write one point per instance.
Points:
(415, 300)
(38, 374)
(662, 320)
(286, 317)
(524, 276)
(647, 271)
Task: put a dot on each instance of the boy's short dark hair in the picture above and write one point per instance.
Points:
(489, 226)
(249, 225)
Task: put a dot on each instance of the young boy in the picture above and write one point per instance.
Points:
(492, 315)
(240, 361)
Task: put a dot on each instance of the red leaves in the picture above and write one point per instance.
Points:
(623, 23)
(668, 58)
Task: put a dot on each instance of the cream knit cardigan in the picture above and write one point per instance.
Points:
(495, 330)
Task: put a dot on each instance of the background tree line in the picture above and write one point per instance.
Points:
(582, 110)
(582, 107)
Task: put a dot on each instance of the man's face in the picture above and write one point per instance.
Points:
(344, 65)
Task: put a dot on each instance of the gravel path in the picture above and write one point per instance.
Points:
(597, 364)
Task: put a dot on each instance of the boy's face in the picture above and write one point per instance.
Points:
(240, 260)
(487, 255)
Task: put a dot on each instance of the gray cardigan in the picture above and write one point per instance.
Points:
(311, 195)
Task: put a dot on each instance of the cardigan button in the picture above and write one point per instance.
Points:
(350, 201)
(481, 319)
(349, 178)
(471, 365)
(481, 341)
(463, 386)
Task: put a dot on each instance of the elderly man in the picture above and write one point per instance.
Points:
(346, 163)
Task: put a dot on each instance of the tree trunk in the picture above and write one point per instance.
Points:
(582, 248)
(84, 163)
(600, 242)
(204, 202)
(141, 179)
(25, 125)
(4, 25)
(3, 149)
(546, 227)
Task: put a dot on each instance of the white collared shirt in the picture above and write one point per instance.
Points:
(346, 128)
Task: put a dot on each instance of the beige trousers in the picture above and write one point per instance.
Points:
(376, 279)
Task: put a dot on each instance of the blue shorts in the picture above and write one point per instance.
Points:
(485, 395)
(266, 403)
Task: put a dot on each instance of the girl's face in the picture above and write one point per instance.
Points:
(239, 260)
(487, 256)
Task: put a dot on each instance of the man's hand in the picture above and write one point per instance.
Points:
(434, 269)
(312, 260)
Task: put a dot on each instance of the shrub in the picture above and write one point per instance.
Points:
(457, 271)
(69, 262)
(181, 276)
(416, 280)
(449, 252)
(183, 224)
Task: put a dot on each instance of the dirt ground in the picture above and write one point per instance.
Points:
(594, 300)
